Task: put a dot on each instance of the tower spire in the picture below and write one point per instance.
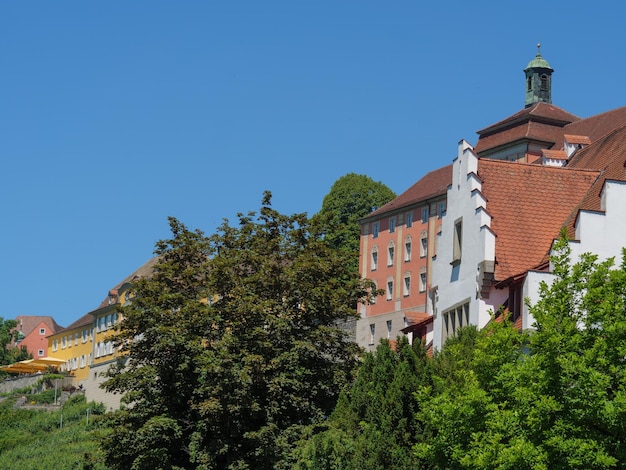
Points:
(538, 80)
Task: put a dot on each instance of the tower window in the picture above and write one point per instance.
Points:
(544, 83)
(529, 84)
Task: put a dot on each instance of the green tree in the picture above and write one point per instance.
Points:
(8, 335)
(351, 198)
(375, 422)
(553, 399)
(232, 346)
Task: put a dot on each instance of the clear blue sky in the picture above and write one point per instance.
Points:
(116, 115)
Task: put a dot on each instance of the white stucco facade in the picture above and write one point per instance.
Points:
(465, 253)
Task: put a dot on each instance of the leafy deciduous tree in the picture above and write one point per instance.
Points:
(229, 382)
(351, 198)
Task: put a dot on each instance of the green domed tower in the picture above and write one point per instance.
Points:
(538, 80)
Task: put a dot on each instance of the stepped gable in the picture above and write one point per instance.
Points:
(608, 156)
(528, 205)
(542, 122)
(431, 185)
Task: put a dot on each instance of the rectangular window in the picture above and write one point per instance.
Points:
(454, 319)
(441, 209)
(84, 336)
(40, 353)
(83, 361)
(372, 333)
(392, 224)
(375, 229)
(55, 345)
(407, 250)
(389, 290)
(64, 342)
(42, 331)
(390, 254)
(76, 339)
(374, 260)
(408, 217)
(388, 329)
(407, 285)
(422, 281)
(458, 242)
(425, 215)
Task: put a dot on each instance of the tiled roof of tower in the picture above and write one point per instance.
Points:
(608, 155)
(541, 122)
(431, 185)
(528, 204)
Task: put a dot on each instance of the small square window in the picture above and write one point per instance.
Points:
(42, 331)
(40, 353)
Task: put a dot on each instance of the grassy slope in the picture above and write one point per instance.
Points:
(31, 439)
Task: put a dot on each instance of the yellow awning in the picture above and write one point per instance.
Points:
(31, 366)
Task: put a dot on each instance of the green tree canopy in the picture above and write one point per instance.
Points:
(8, 335)
(374, 425)
(231, 346)
(351, 198)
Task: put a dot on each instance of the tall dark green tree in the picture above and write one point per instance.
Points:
(375, 424)
(232, 346)
(351, 198)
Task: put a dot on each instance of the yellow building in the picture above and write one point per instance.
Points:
(86, 345)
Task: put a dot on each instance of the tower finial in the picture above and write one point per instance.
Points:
(538, 49)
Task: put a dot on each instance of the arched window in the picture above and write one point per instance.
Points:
(408, 248)
(544, 82)
(391, 251)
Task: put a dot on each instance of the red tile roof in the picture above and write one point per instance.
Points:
(608, 155)
(528, 204)
(599, 125)
(554, 154)
(541, 122)
(549, 124)
(85, 320)
(577, 139)
(27, 323)
(431, 185)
